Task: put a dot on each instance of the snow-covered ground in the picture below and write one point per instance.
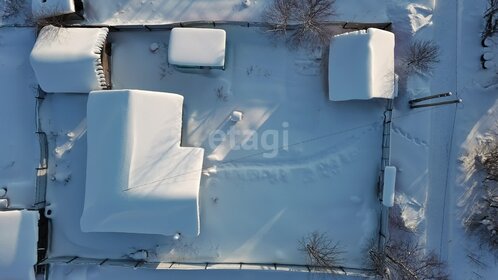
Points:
(257, 202)
(18, 144)
(15, 12)
(170, 11)
(478, 114)
(72, 272)
(427, 147)
(294, 164)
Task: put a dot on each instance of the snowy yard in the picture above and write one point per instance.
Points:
(296, 162)
(17, 173)
(168, 11)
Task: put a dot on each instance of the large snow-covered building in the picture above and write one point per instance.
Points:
(138, 178)
(361, 65)
(71, 60)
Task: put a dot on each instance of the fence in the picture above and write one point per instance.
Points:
(41, 170)
(157, 27)
(73, 260)
(385, 161)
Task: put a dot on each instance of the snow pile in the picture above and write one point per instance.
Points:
(138, 178)
(197, 47)
(361, 65)
(51, 8)
(18, 244)
(69, 59)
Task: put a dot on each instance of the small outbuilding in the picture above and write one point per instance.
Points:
(71, 60)
(138, 177)
(361, 65)
(197, 47)
(55, 8)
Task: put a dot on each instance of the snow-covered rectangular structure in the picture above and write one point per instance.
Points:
(138, 178)
(18, 244)
(197, 47)
(69, 60)
(361, 65)
(389, 186)
(52, 8)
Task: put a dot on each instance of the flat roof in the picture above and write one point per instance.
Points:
(197, 47)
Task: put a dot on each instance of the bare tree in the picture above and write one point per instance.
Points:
(490, 19)
(307, 18)
(404, 260)
(311, 15)
(278, 15)
(482, 216)
(421, 57)
(487, 156)
(12, 8)
(321, 252)
(57, 21)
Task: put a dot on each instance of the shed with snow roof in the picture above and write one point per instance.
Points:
(71, 60)
(138, 177)
(361, 65)
(54, 8)
(197, 47)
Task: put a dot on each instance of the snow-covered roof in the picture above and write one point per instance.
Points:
(361, 65)
(69, 59)
(389, 186)
(138, 178)
(51, 8)
(197, 47)
(18, 244)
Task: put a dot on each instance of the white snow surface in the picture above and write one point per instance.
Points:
(361, 65)
(18, 244)
(19, 144)
(260, 192)
(138, 178)
(425, 148)
(170, 11)
(69, 59)
(93, 272)
(52, 8)
(197, 47)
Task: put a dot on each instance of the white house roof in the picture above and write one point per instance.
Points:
(361, 65)
(139, 179)
(18, 244)
(69, 59)
(51, 8)
(197, 47)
